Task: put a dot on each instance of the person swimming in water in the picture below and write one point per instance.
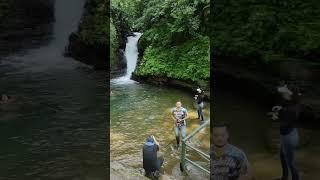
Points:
(5, 99)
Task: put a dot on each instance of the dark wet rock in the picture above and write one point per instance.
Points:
(179, 84)
(118, 171)
(166, 81)
(95, 54)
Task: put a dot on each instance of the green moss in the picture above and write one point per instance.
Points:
(174, 40)
(188, 61)
(95, 27)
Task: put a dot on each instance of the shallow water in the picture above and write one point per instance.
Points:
(138, 110)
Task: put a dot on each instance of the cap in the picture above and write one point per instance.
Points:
(150, 139)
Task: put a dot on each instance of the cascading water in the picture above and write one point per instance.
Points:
(131, 54)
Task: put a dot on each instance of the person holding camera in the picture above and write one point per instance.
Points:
(151, 161)
(179, 116)
(199, 103)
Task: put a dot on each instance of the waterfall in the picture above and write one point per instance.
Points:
(131, 54)
(68, 14)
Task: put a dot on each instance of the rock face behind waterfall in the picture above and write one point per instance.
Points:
(90, 44)
(24, 23)
(95, 55)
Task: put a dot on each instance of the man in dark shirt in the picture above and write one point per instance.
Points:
(199, 103)
(151, 162)
(289, 116)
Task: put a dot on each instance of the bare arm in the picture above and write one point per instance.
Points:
(186, 117)
(155, 141)
(174, 118)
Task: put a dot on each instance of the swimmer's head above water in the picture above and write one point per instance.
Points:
(4, 98)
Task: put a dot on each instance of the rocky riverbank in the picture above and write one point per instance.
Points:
(169, 82)
(186, 85)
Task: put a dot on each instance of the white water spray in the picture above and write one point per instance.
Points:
(131, 54)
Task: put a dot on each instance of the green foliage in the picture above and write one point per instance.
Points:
(129, 10)
(175, 39)
(95, 28)
(114, 45)
(173, 21)
(266, 30)
(189, 61)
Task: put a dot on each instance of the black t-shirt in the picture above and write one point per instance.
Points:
(150, 159)
(200, 98)
(289, 117)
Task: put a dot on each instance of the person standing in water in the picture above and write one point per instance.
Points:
(151, 161)
(199, 103)
(179, 116)
(227, 161)
(289, 116)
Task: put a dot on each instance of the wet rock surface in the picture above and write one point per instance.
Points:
(95, 55)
